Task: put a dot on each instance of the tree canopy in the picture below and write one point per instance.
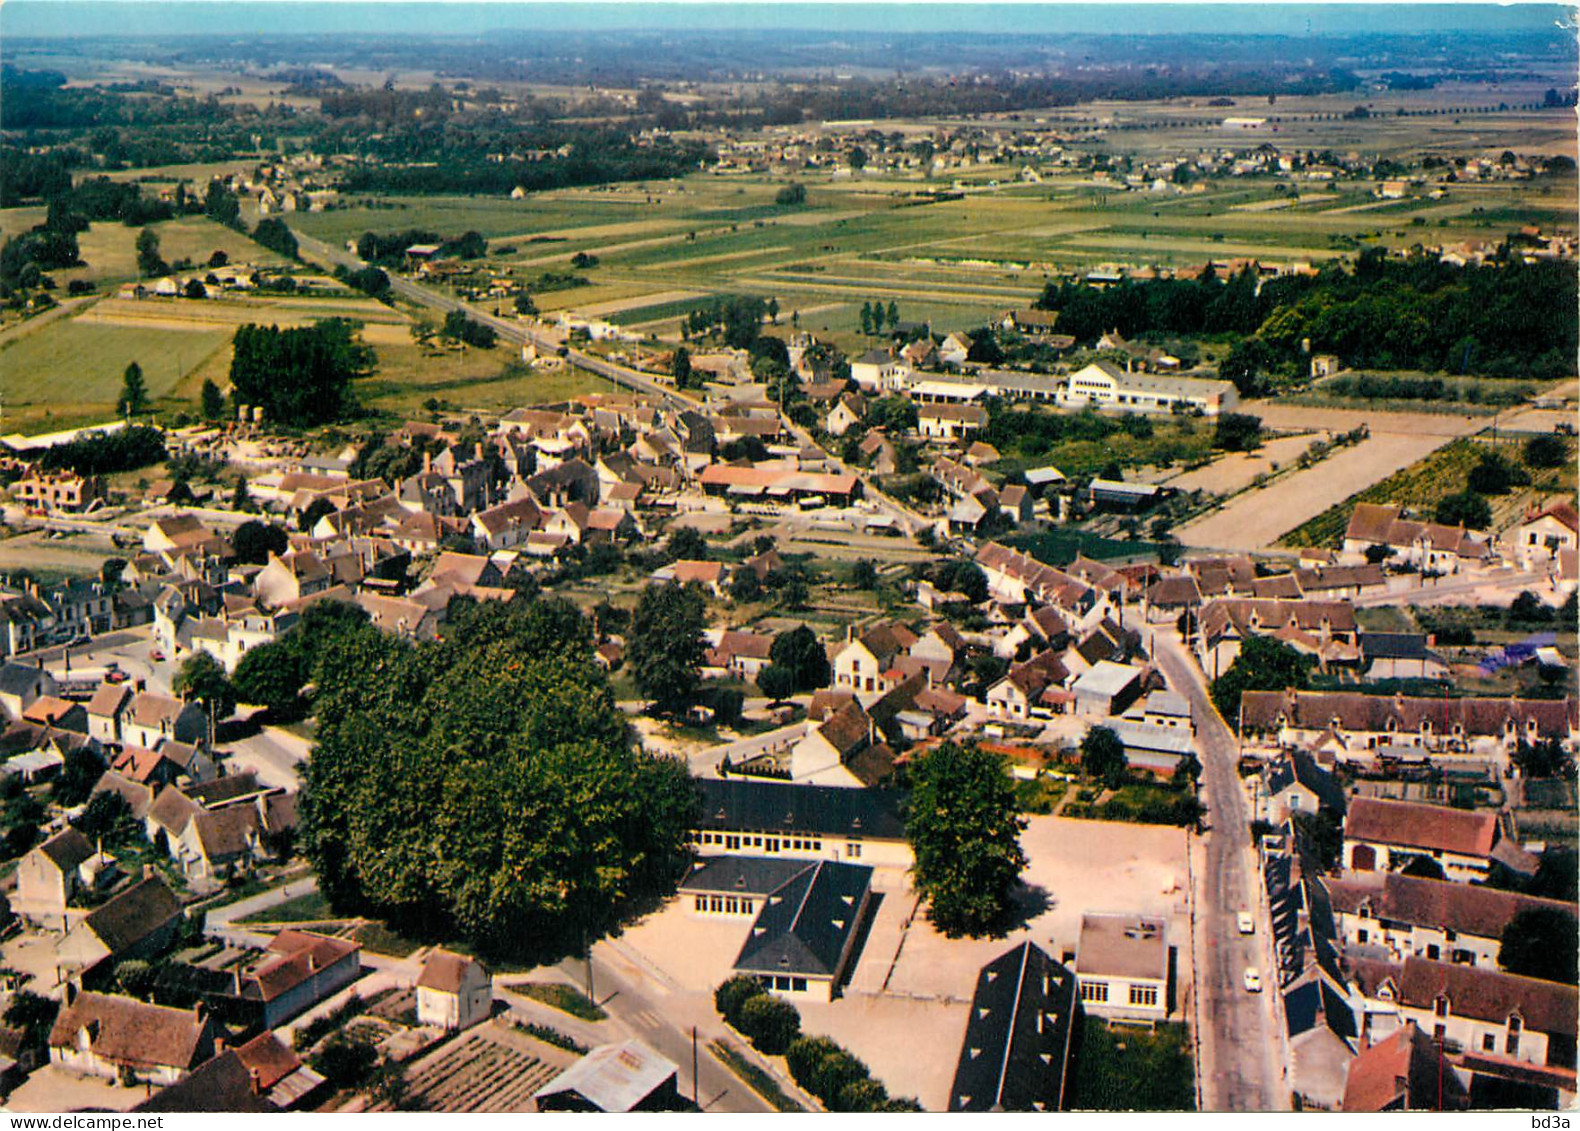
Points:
(1103, 756)
(803, 655)
(300, 375)
(665, 646)
(964, 827)
(1264, 664)
(1541, 942)
(254, 541)
(485, 785)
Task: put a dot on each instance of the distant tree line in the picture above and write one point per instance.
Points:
(1506, 318)
(457, 162)
(388, 249)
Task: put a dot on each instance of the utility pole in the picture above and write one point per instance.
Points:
(587, 953)
(696, 1081)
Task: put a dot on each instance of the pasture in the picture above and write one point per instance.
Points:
(666, 246)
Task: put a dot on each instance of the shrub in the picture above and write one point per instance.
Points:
(770, 1023)
(803, 1057)
(734, 993)
(865, 1094)
(346, 1063)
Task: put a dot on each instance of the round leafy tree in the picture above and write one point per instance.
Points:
(964, 828)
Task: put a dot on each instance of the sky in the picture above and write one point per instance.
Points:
(165, 18)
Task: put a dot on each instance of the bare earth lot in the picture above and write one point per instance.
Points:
(1239, 470)
(1257, 519)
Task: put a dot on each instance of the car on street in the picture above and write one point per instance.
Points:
(1246, 924)
(156, 655)
(1253, 980)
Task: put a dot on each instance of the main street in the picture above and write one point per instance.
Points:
(1240, 1047)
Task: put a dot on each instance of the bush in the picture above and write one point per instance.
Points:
(770, 1023)
(346, 1063)
(733, 994)
(1545, 452)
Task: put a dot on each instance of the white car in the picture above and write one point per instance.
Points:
(1246, 924)
(1253, 980)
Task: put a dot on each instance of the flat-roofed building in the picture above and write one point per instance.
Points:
(1122, 963)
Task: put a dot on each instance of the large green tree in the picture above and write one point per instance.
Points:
(1541, 942)
(486, 787)
(134, 392)
(254, 541)
(301, 375)
(1264, 664)
(964, 828)
(665, 647)
(803, 654)
(1103, 756)
(203, 678)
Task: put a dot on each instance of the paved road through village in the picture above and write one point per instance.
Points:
(1240, 1049)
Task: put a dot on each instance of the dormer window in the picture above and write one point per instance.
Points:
(1440, 1006)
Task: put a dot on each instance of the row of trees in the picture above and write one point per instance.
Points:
(104, 453)
(818, 1064)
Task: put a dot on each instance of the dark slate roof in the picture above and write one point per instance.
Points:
(803, 927)
(1394, 646)
(17, 679)
(1315, 1003)
(1017, 1044)
(743, 875)
(784, 808)
(1301, 767)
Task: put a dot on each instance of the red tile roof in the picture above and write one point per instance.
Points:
(1409, 825)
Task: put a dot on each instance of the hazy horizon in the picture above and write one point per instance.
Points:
(121, 18)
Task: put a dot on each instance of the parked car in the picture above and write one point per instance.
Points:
(1246, 923)
(1253, 980)
(156, 655)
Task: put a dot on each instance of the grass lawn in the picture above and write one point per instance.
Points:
(482, 380)
(299, 909)
(565, 998)
(381, 940)
(110, 250)
(755, 1078)
(1132, 1069)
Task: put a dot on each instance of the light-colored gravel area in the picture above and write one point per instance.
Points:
(1258, 518)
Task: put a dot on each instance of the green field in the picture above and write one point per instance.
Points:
(109, 251)
(1131, 1069)
(78, 363)
(474, 380)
